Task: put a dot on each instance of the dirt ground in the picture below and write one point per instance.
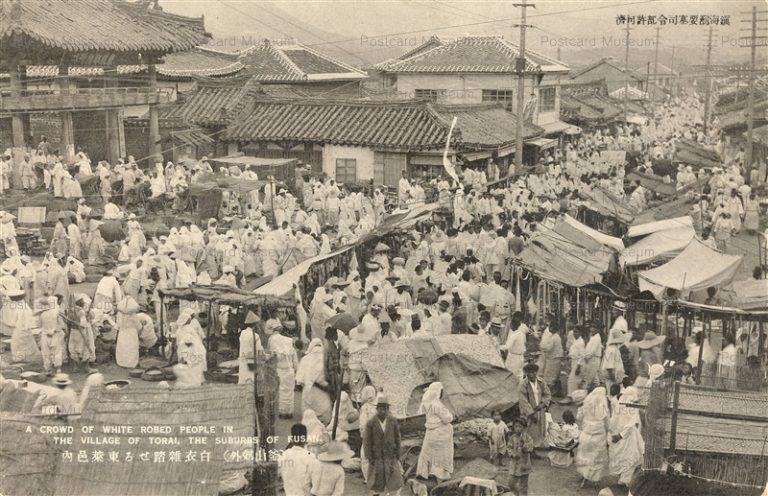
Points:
(544, 481)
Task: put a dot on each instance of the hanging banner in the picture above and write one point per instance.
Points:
(449, 167)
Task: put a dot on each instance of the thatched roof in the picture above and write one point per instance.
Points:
(220, 407)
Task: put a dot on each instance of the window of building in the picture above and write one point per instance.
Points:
(346, 170)
(503, 96)
(547, 97)
(431, 95)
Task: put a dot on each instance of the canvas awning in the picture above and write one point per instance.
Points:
(557, 258)
(653, 183)
(247, 161)
(557, 126)
(602, 238)
(697, 268)
(660, 245)
(542, 143)
(399, 219)
(661, 225)
(609, 205)
(750, 294)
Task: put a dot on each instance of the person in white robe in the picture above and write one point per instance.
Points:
(310, 375)
(127, 348)
(626, 446)
(282, 346)
(436, 456)
(108, 294)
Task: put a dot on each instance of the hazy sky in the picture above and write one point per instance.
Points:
(373, 30)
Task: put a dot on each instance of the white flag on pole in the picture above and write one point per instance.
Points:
(449, 168)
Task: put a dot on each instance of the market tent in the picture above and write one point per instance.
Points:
(749, 294)
(221, 294)
(609, 205)
(661, 225)
(242, 186)
(677, 207)
(400, 219)
(592, 234)
(660, 245)
(697, 268)
(469, 366)
(557, 258)
(219, 407)
(696, 155)
(653, 183)
(473, 389)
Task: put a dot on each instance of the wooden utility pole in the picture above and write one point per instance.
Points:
(655, 65)
(672, 68)
(520, 71)
(626, 75)
(708, 83)
(752, 44)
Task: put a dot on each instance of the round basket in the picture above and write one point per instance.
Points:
(169, 374)
(33, 377)
(136, 373)
(118, 384)
(153, 374)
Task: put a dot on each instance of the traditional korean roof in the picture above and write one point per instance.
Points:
(401, 125)
(100, 25)
(486, 125)
(274, 62)
(583, 72)
(470, 54)
(216, 103)
(200, 61)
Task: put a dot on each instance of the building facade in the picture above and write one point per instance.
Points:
(86, 44)
(479, 69)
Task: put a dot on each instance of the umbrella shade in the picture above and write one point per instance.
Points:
(342, 321)
(428, 297)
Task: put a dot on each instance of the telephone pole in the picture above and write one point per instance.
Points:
(752, 44)
(708, 79)
(520, 71)
(626, 76)
(675, 79)
(655, 65)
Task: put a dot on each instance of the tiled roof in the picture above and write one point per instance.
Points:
(583, 72)
(485, 125)
(273, 62)
(200, 62)
(47, 71)
(100, 25)
(471, 54)
(216, 103)
(408, 125)
(590, 107)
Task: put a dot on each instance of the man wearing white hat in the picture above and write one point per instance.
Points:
(612, 367)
